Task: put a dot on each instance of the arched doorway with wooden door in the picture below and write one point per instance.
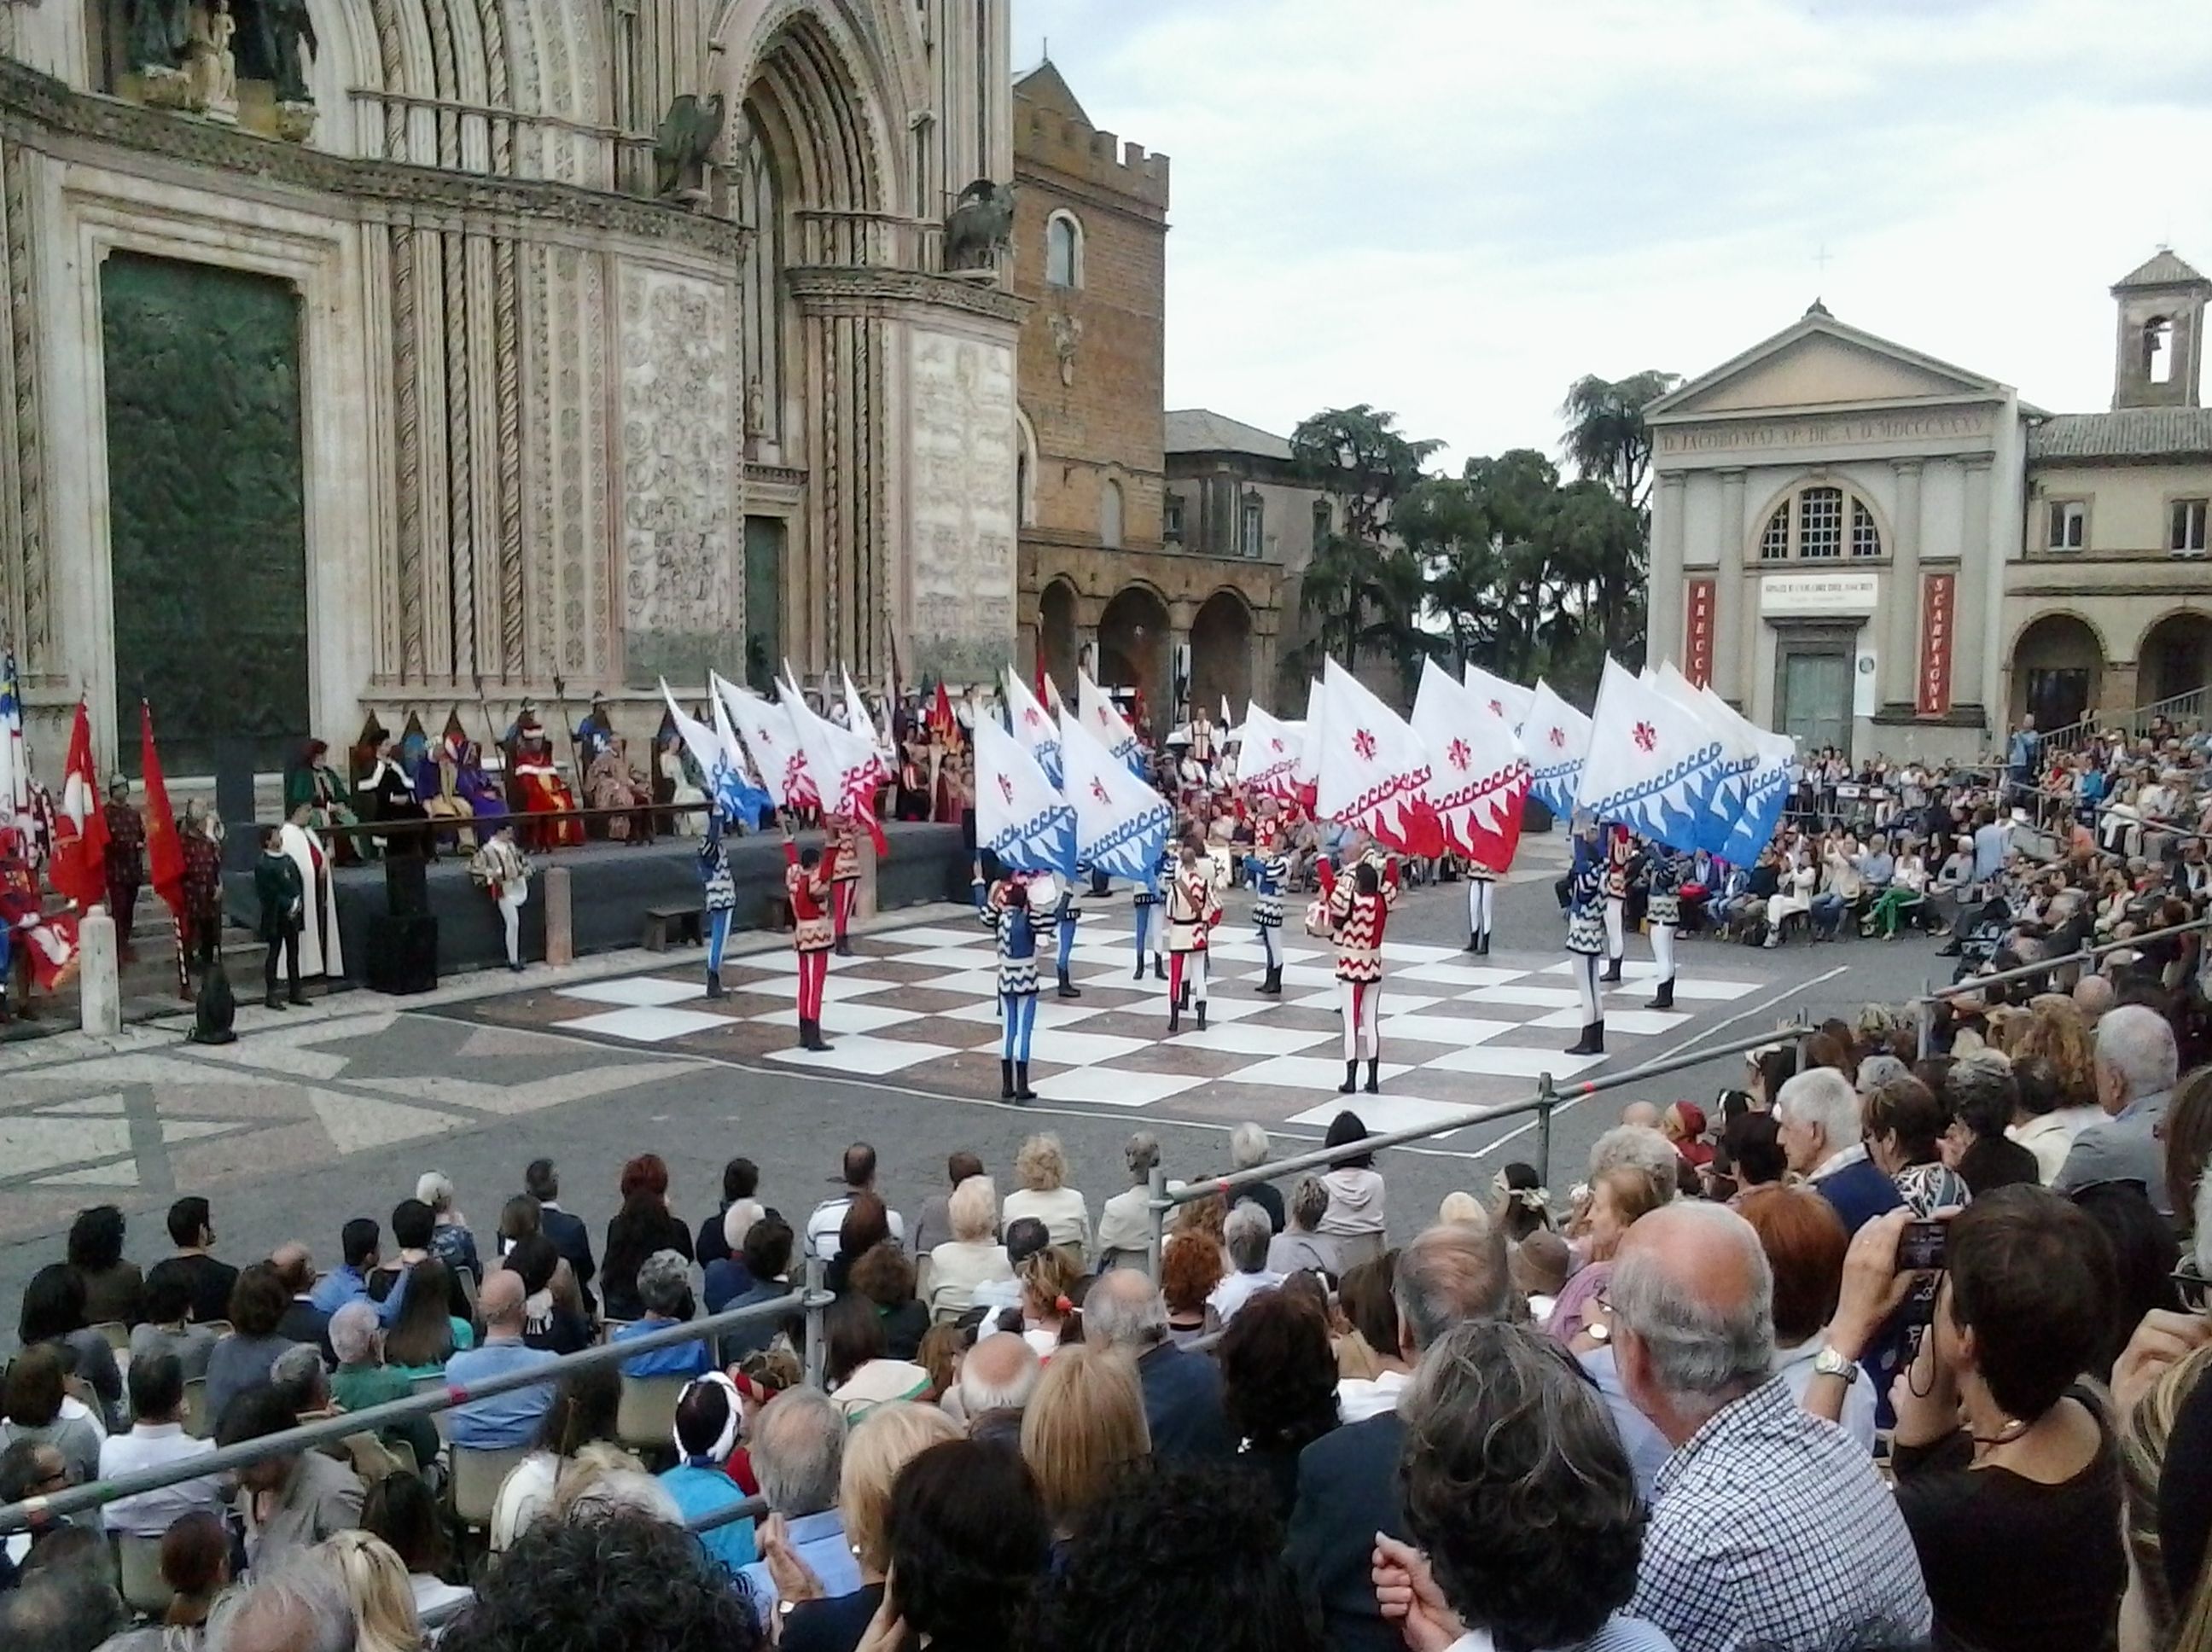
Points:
(1056, 634)
(1133, 650)
(1221, 654)
(2174, 658)
(2057, 671)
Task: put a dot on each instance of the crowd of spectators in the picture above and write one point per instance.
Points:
(1887, 1347)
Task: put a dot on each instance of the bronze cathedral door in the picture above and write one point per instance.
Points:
(207, 524)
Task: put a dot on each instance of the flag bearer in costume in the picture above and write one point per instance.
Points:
(203, 914)
(1008, 910)
(1068, 914)
(1481, 906)
(1192, 912)
(720, 897)
(1271, 872)
(125, 866)
(845, 887)
(1665, 871)
(502, 871)
(1619, 851)
(1145, 902)
(808, 876)
(1358, 905)
(1586, 934)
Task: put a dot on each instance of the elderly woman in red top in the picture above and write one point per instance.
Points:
(807, 875)
(1358, 905)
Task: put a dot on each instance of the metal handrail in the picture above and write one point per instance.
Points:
(1923, 1005)
(810, 1300)
(1549, 1096)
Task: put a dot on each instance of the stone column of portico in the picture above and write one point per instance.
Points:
(1735, 619)
(1978, 593)
(1663, 619)
(1900, 641)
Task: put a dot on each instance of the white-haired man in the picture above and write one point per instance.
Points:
(2136, 1066)
(1246, 1236)
(997, 1379)
(1770, 1527)
(1182, 1390)
(1822, 1129)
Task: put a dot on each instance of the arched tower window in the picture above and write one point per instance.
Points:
(1063, 250)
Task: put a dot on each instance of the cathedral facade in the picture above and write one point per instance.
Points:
(369, 356)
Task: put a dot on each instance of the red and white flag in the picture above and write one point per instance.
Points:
(1479, 776)
(1310, 742)
(1373, 772)
(778, 758)
(1268, 754)
(841, 761)
(78, 871)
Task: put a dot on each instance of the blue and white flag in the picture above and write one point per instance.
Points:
(1650, 762)
(721, 759)
(1766, 795)
(1556, 737)
(1033, 727)
(1097, 713)
(1020, 816)
(1722, 802)
(1121, 825)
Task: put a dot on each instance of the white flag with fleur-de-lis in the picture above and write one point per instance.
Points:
(1478, 776)
(1097, 713)
(1121, 823)
(1508, 701)
(1033, 727)
(1651, 762)
(1267, 753)
(1556, 737)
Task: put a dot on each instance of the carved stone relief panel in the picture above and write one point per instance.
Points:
(680, 606)
(960, 559)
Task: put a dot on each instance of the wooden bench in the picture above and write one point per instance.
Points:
(681, 920)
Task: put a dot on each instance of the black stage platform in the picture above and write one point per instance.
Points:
(612, 886)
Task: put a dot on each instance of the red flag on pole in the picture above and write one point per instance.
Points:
(78, 870)
(941, 718)
(165, 850)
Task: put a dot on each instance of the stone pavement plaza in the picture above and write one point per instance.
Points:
(314, 1116)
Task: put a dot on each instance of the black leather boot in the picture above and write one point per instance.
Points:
(1006, 1081)
(1612, 976)
(1350, 1079)
(1068, 988)
(1159, 967)
(1272, 986)
(1139, 972)
(1484, 950)
(1592, 1041)
(714, 984)
(1474, 942)
(1374, 1076)
(275, 1000)
(1201, 1015)
(1664, 998)
(1022, 1090)
(1175, 1016)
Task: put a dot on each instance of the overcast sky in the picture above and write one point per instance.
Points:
(1454, 208)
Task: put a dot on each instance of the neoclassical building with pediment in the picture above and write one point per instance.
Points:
(496, 346)
(1871, 549)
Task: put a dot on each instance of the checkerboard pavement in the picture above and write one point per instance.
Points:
(916, 1007)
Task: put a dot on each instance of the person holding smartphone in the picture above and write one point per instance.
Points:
(2008, 1473)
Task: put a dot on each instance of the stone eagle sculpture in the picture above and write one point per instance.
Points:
(685, 143)
(980, 224)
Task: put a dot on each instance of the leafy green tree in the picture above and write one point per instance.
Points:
(1606, 440)
(1364, 592)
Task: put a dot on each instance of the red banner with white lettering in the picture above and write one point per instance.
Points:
(1938, 613)
(1698, 634)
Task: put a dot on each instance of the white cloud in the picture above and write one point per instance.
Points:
(1453, 207)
